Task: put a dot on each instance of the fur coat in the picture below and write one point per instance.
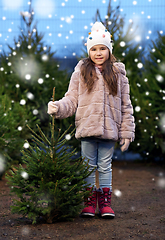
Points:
(98, 114)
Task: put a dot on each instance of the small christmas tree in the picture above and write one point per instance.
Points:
(52, 183)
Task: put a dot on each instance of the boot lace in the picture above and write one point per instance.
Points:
(91, 200)
(105, 200)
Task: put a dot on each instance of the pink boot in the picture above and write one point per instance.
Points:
(91, 204)
(104, 202)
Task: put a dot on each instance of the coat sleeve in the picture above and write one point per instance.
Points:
(67, 106)
(127, 128)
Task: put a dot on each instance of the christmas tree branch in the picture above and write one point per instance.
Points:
(64, 134)
(38, 136)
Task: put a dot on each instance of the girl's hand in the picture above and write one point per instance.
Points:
(52, 108)
(125, 144)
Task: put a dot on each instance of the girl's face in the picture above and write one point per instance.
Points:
(99, 54)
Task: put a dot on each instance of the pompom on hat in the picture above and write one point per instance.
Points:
(99, 35)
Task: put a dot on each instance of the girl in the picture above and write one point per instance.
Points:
(99, 95)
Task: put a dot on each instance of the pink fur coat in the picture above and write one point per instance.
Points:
(97, 113)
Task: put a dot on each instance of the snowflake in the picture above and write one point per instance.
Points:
(122, 44)
(19, 128)
(117, 193)
(26, 145)
(23, 102)
(137, 108)
(25, 175)
(67, 136)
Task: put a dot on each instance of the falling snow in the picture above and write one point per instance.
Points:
(2, 163)
(44, 57)
(27, 76)
(26, 145)
(122, 44)
(67, 136)
(117, 193)
(139, 65)
(159, 78)
(137, 108)
(76, 20)
(30, 95)
(161, 183)
(40, 81)
(19, 128)
(23, 102)
(25, 175)
(35, 112)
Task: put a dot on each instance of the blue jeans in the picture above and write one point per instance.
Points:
(99, 153)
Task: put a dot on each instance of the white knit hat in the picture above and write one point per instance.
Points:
(99, 35)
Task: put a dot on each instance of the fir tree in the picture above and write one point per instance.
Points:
(13, 130)
(125, 48)
(146, 77)
(52, 183)
(29, 71)
(149, 109)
